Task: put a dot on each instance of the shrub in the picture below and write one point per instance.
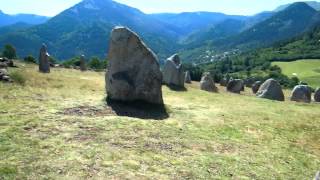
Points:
(9, 52)
(30, 59)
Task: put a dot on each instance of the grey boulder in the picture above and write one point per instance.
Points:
(44, 64)
(83, 66)
(173, 72)
(256, 86)
(272, 90)
(235, 86)
(133, 71)
(317, 95)
(207, 83)
(187, 78)
(301, 93)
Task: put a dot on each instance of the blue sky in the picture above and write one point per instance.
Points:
(241, 7)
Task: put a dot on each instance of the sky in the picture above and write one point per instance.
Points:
(236, 7)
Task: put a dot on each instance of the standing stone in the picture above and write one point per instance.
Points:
(256, 86)
(207, 83)
(317, 95)
(272, 90)
(187, 78)
(317, 176)
(173, 72)
(301, 93)
(134, 72)
(235, 86)
(83, 66)
(224, 82)
(44, 64)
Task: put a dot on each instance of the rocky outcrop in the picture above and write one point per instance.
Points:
(235, 86)
(187, 78)
(272, 90)
(173, 74)
(301, 93)
(5, 62)
(83, 66)
(317, 95)
(133, 71)
(256, 86)
(207, 83)
(4, 75)
(44, 64)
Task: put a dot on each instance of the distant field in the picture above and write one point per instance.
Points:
(307, 70)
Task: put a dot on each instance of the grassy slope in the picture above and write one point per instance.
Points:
(207, 135)
(306, 70)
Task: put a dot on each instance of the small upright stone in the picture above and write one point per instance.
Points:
(187, 78)
(44, 64)
(272, 90)
(256, 86)
(317, 95)
(207, 83)
(133, 70)
(235, 86)
(83, 66)
(173, 72)
(301, 93)
(317, 176)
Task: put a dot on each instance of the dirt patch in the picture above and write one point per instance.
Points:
(88, 111)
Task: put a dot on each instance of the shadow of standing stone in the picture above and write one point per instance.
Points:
(138, 109)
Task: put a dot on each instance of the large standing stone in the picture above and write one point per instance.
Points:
(207, 83)
(133, 72)
(256, 86)
(272, 90)
(317, 95)
(83, 66)
(173, 72)
(235, 86)
(44, 64)
(301, 93)
(187, 78)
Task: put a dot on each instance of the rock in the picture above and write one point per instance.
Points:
(44, 65)
(256, 86)
(249, 81)
(207, 83)
(187, 78)
(272, 90)
(133, 73)
(235, 86)
(173, 73)
(317, 95)
(3, 65)
(6, 79)
(317, 177)
(301, 93)
(3, 72)
(224, 82)
(83, 66)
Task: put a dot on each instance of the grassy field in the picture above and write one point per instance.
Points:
(57, 126)
(307, 70)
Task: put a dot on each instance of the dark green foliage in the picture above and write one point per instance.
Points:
(72, 62)
(9, 52)
(97, 64)
(30, 59)
(195, 71)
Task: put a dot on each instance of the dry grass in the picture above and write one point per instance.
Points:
(206, 136)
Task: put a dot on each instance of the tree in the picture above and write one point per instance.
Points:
(9, 52)
(97, 64)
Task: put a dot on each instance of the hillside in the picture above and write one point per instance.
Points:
(6, 19)
(57, 126)
(307, 70)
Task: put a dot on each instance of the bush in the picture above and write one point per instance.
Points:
(9, 52)
(18, 78)
(30, 59)
(97, 64)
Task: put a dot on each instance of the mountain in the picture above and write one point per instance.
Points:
(313, 4)
(294, 20)
(6, 19)
(85, 28)
(14, 27)
(189, 22)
